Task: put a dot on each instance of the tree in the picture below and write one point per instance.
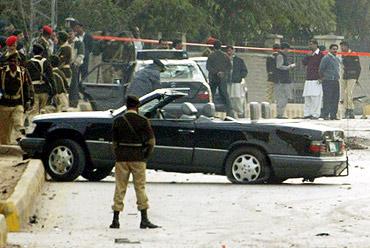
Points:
(169, 17)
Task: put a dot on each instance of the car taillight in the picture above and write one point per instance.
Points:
(318, 147)
(203, 95)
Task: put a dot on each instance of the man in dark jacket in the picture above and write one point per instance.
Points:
(147, 79)
(219, 67)
(271, 73)
(16, 95)
(133, 142)
(88, 41)
(283, 81)
(329, 74)
(237, 87)
(351, 73)
(41, 74)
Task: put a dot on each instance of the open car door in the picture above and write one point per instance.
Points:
(105, 85)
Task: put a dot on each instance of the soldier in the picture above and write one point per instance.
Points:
(61, 85)
(351, 74)
(16, 96)
(43, 40)
(11, 48)
(133, 142)
(41, 75)
(65, 54)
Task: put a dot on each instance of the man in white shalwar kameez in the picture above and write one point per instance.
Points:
(312, 92)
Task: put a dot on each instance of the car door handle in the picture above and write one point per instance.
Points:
(186, 131)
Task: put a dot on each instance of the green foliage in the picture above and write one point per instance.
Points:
(233, 21)
(171, 17)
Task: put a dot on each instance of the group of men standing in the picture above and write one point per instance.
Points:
(322, 88)
(47, 75)
(226, 72)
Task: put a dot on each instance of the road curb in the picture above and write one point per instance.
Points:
(19, 206)
(3, 231)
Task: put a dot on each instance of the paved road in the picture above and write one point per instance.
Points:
(207, 211)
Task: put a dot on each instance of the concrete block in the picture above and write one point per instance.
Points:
(3, 231)
(19, 206)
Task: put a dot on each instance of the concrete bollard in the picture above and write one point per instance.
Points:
(265, 110)
(255, 111)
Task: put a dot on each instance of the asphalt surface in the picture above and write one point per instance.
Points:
(197, 210)
(207, 211)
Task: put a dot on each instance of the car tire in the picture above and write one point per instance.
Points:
(96, 174)
(247, 165)
(64, 160)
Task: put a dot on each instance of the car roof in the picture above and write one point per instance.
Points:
(170, 62)
(198, 58)
(161, 54)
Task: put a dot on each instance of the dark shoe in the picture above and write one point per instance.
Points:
(145, 223)
(281, 117)
(334, 118)
(314, 118)
(326, 118)
(115, 222)
(307, 117)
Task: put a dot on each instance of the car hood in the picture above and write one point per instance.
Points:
(75, 115)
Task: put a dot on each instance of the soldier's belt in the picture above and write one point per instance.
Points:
(130, 144)
(10, 97)
(66, 66)
(37, 82)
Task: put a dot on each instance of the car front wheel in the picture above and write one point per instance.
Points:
(64, 160)
(247, 165)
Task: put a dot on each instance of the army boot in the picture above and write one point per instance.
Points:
(115, 222)
(145, 223)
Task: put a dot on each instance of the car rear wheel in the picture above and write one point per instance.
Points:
(64, 160)
(247, 165)
(96, 174)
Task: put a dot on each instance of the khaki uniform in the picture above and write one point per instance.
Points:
(61, 85)
(65, 56)
(16, 90)
(128, 142)
(41, 75)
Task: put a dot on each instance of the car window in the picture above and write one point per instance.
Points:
(202, 66)
(189, 72)
(148, 107)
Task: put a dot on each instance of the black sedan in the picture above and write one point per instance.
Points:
(79, 143)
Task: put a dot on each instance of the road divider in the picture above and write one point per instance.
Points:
(19, 206)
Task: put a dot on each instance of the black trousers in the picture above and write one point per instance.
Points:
(221, 85)
(74, 89)
(330, 90)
